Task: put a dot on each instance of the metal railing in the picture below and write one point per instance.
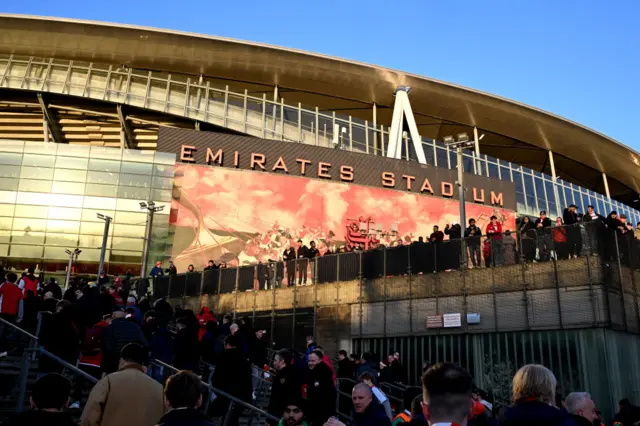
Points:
(232, 399)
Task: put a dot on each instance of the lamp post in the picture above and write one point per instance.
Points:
(461, 142)
(73, 255)
(105, 236)
(151, 208)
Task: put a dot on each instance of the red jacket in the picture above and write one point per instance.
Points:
(494, 231)
(30, 283)
(11, 296)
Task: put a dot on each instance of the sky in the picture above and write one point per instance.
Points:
(579, 59)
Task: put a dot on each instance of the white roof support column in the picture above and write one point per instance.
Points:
(606, 185)
(402, 109)
(554, 178)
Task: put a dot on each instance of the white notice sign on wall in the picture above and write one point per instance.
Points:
(452, 320)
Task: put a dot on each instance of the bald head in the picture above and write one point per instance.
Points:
(361, 395)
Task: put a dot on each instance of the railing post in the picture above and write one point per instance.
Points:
(366, 135)
(237, 290)
(384, 295)
(350, 135)
(282, 119)
(360, 299)
(273, 311)
(317, 127)
(219, 289)
(201, 286)
(244, 110)
(410, 276)
(299, 122)
(226, 105)
(264, 115)
(293, 326)
(170, 285)
(24, 378)
(338, 267)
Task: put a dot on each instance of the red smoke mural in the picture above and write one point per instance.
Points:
(242, 217)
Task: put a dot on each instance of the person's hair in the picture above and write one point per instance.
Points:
(447, 389)
(367, 376)
(575, 401)
(134, 353)
(231, 340)
(286, 356)
(416, 405)
(535, 382)
(319, 349)
(12, 278)
(211, 261)
(296, 402)
(51, 391)
(31, 270)
(183, 390)
(493, 217)
(590, 206)
(342, 352)
(367, 356)
(317, 353)
(624, 402)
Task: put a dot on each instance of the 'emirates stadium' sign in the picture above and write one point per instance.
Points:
(296, 159)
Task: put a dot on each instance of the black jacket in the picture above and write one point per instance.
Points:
(285, 385)
(258, 351)
(346, 368)
(233, 375)
(454, 232)
(478, 233)
(321, 394)
(119, 333)
(580, 421)
(373, 415)
(58, 335)
(312, 252)
(184, 417)
(546, 223)
(587, 217)
(289, 254)
(628, 415)
(569, 217)
(302, 251)
(536, 414)
(54, 289)
(40, 418)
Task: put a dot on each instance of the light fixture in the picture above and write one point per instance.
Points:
(481, 136)
(69, 252)
(143, 205)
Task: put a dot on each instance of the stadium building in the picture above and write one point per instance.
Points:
(249, 148)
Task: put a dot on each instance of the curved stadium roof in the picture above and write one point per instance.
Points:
(513, 131)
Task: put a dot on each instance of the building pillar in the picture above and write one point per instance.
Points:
(476, 141)
(606, 185)
(45, 130)
(554, 178)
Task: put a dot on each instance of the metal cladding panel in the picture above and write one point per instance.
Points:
(366, 169)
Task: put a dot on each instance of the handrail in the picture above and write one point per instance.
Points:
(21, 330)
(220, 392)
(64, 363)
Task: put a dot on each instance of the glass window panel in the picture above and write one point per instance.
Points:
(47, 149)
(159, 232)
(70, 175)
(139, 181)
(21, 237)
(138, 155)
(56, 253)
(92, 228)
(32, 185)
(38, 212)
(453, 155)
(133, 193)
(93, 255)
(104, 165)
(128, 205)
(33, 160)
(4, 250)
(136, 168)
(90, 215)
(441, 153)
(68, 188)
(121, 230)
(101, 190)
(11, 146)
(551, 199)
(169, 158)
(134, 244)
(10, 158)
(35, 198)
(8, 197)
(161, 195)
(166, 171)
(8, 184)
(29, 225)
(5, 237)
(427, 147)
(166, 183)
(69, 150)
(66, 240)
(92, 241)
(100, 203)
(62, 213)
(542, 202)
(105, 178)
(493, 170)
(601, 206)
(43, 173)
(505, 174)
(126, 256)
(72, 163)
(467, 163)
(30, 252)
(106, 153)
(10, 171)
(6, 222)
(131, 218)
(531, 199)
(64, 200)
(66, 226)
(7, 209)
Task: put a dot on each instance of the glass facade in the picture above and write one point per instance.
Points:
(50, 195)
